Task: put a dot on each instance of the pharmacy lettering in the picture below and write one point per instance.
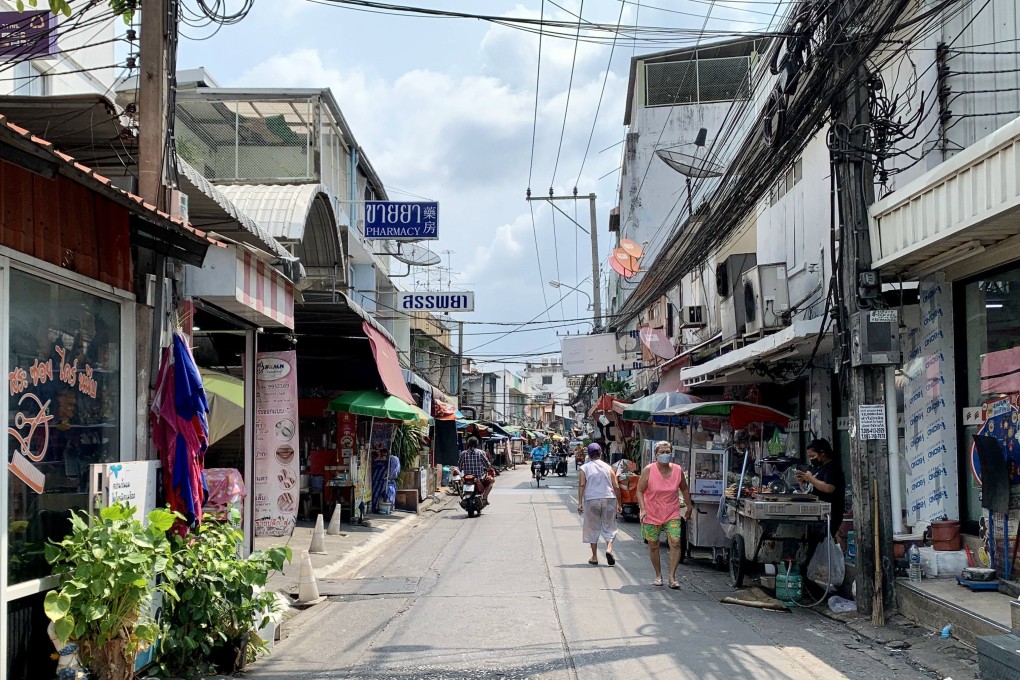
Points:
(929, 405)
(30, 426)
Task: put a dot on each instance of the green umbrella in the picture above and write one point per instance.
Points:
(374, 404)
(225, 394)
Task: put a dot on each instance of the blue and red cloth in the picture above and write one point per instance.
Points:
(180, 429)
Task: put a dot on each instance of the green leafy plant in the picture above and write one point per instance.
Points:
(122, 8)
(219, 601)
(617, 388)
(408, 441)
(108, 565)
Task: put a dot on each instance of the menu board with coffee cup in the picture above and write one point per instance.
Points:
(277, 491)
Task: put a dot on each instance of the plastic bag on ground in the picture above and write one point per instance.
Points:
(827, 567)
(841, 605)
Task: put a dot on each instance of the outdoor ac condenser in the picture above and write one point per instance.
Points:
(766, 297)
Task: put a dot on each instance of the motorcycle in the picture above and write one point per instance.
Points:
(556, 463)
(579, 459)
(471, 497)
(538, 472)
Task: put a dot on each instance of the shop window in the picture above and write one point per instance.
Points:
(64, 410)
(992, 332)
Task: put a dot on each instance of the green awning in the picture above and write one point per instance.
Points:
(641, 410)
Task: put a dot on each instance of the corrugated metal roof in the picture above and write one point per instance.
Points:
(281, 208)
(261, 237)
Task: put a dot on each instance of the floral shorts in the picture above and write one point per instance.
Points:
(650, 532)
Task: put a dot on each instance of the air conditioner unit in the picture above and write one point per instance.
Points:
(730, 322)
(692, 316)
(766, 297)
(729, 271)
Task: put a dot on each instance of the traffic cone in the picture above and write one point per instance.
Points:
(318, 546)
(334, 523)
(308, 589)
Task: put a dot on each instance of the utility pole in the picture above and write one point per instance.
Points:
(854, 177)
(593, 233)
(460, 361)
(153, 101)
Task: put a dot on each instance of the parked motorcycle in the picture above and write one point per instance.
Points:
(456, 483)
(628, 477)
(471, 497)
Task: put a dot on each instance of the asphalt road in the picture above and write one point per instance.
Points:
(510, 595)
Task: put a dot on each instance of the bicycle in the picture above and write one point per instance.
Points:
(536, 476)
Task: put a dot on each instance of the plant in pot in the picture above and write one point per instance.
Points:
(220, 603)
(109, 566)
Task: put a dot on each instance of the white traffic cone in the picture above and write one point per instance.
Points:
(318, 546)
(308, 589)
(334, 523)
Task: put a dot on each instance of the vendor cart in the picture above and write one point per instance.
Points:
(739, 524)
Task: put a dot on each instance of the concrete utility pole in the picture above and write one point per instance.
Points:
(460, 361)
(593, 233)
(869, 459)
(153, 101)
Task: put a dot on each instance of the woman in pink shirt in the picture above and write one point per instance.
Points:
(658, 492)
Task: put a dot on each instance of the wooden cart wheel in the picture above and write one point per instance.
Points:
(738, 563)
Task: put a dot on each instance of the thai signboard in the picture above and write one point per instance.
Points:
(417, 301)
(28, 34)
(402, 221)
(276, 438)
(929, 410)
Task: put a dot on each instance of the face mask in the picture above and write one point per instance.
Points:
(815, 462)
(664, 458)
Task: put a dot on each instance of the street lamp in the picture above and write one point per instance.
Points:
(557, 284)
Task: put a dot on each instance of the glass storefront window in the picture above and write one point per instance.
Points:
(992, 327)
(63, 390)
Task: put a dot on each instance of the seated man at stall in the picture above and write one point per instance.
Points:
(826, 479)
(473, 461)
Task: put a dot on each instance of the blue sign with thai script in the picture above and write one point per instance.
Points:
(402, 221)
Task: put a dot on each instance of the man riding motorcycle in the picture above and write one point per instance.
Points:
(538, 455)
(473, 461)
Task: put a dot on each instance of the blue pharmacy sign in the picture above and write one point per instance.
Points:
(407, 221)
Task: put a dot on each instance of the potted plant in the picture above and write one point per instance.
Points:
(109, 565)
(219, 602)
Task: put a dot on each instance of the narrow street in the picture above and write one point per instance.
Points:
(510, 595)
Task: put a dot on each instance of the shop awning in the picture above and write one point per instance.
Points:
(742, 366)
(958, 209)
(243, 284)
(739, 413)
(608, 403)
(386, 361)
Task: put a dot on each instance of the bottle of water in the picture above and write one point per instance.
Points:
(914, 558)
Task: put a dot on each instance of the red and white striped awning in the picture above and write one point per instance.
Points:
(238, 281)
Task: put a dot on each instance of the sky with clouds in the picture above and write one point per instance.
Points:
(445, 109)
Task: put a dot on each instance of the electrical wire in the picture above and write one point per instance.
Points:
(566, 107)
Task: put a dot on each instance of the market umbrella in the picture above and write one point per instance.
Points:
(180, 430)
(225, 394)
(375, 405)
(641, 410)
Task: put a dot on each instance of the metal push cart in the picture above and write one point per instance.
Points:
(768, 528)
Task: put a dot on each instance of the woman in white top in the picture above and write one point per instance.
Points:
(598, 501)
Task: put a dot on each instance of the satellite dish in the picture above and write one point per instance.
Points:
(625, 259)
(690, 165)
(411, 254)
(632, 248)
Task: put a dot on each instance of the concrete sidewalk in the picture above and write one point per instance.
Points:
(346, 551)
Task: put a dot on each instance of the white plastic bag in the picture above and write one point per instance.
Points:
(827, 567)
(839, 605)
